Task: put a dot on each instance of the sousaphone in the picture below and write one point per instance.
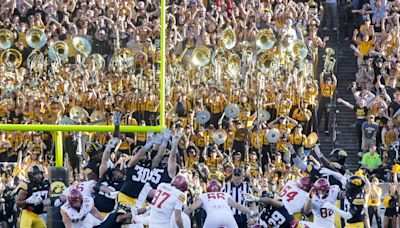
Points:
(263, 115)
(228, 38)
(232, 110)
(201, 56)
(78, 114)
(265, 39)
(97, 117)
(203, 117)
(273, 135)
(81, 45)
(312, 140)
(6, 39)
(219, 136)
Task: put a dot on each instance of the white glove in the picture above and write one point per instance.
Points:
(112, 143)
(149, 144)
(35, 200)
(117, 118)
(317, 151)
(250, 198)
(133, 211)
(57, 203)
(167, 134)
(158, 139)
(112, 195)
(176, 138)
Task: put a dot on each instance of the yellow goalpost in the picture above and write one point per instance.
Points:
(102, 128)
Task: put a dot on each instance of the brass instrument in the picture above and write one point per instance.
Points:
(228, 38)
(203, 117)
(201, 56)
(266, 61)
(97, 117)
(81, 45)
(35, 61)
(219, 136)
(78, 114)
(11, 58)
(273, 135)
(312, 140)
(218, 57)
(6, 39)
(95, 62)
(233, 66)
(121, 59)
(265, 39)
(329, 60)
(58, 51)
(300, 49)
(36, 38)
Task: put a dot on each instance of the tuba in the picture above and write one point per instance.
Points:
(273, 135)
(265, 39)
(233, 64)
(121, 59)
(6, 39)
(58, 51)
(265, 62)
(11, 58)
(36, 38)
(228, 38)
(81, 45)
(300, 49)
(95, 62)
(201, 56)
(218, 57)
(329, 60)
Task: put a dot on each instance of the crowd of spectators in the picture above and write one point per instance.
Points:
(295, 96)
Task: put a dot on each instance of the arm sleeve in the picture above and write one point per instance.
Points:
(299, 163)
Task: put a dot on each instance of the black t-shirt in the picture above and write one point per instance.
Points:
(361, 113)
(395, 106)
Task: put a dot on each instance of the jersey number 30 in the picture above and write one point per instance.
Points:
(159, 198)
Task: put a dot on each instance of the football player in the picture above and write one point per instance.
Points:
(31, 198)
(163, 173)
(322, 194)
(79, 211)
(279, 213)
(218, 205)
(139, 168)
(168, 199)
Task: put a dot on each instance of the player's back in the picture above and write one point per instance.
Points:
(324, 216)
(293, 197)
(85, 187)
(213, 201)
(166, 199)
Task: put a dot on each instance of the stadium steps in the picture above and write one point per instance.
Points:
(346, 67)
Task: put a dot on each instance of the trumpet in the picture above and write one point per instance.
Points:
(329, 60)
